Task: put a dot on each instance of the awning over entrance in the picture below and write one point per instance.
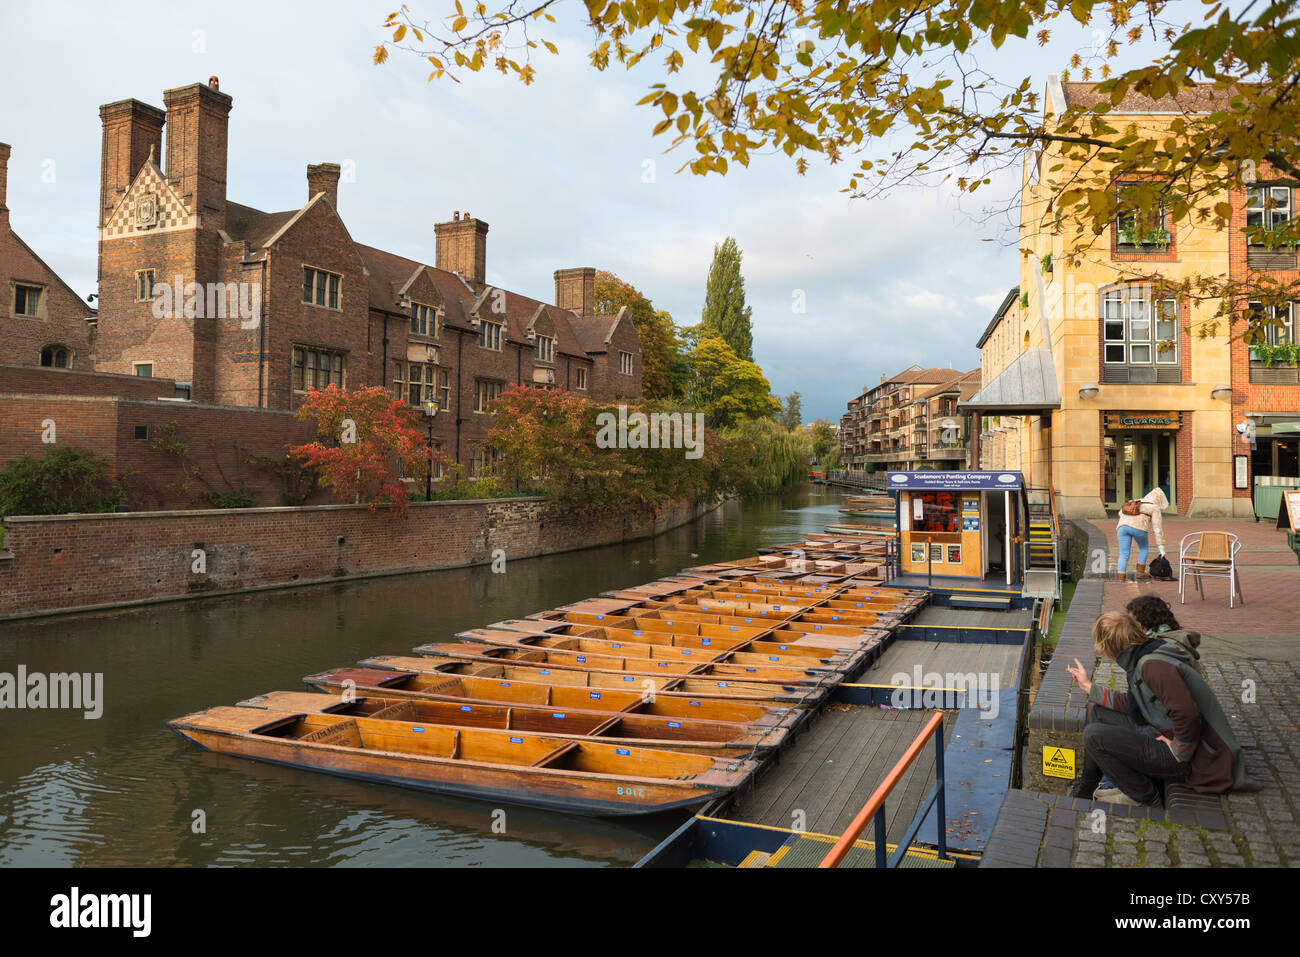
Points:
(1025, 387)
(1285, 428)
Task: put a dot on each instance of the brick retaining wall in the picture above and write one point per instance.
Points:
(80, 562)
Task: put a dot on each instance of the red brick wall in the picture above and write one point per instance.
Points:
(230, 448)
(72, 562)
(36, 380)
(1245, 396)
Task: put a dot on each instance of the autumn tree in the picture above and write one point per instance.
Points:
(366, 441)
(660, 346)
(726, 388)
(894, 90)
(823, 437)
(725, 312)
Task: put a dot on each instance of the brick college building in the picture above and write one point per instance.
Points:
(245, 308)
(1093, 385)
(909, 421)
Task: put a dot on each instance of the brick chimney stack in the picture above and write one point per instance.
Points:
(575, 289)
(4, 184)
(198, 117)
(324, 178)
(130, 130)
(462, 247)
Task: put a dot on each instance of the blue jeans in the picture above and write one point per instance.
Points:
(1127, 536)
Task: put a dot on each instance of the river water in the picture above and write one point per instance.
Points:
(123, 790)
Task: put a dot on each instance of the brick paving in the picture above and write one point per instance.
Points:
(1252, 660)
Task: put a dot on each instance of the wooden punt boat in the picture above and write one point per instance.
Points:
(721, 738)
(656, 644)
(657, 685)
(699, 665)
(509, 767)
(422, 686)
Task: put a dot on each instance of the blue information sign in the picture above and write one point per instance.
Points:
(955, 481)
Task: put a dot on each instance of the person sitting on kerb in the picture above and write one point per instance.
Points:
(1168, 726)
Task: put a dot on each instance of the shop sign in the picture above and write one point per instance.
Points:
(1143, 420)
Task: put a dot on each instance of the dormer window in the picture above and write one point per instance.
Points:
(489, 335)
(545, 348)
(424, 320)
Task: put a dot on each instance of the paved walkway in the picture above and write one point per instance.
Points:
(1252, 658)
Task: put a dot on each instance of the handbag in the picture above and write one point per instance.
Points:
(1132, 507)
(1160, 569)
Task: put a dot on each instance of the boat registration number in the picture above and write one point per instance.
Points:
(631, 792)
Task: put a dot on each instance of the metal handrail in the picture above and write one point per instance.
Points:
(875, 805)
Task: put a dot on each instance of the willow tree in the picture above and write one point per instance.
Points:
(894, 90)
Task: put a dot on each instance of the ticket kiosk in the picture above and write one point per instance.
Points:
(960, 524)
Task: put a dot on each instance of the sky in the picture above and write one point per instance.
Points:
(565, 172)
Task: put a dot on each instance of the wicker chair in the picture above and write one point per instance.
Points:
(1209, 555)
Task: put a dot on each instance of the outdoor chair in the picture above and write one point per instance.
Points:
(1209, 555)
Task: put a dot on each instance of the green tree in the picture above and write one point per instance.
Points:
(792, 412)
(725, 313)
(779, 457)
(63, 479)
(823, 437)
(660, 346)
(726, 388)
(895, 91)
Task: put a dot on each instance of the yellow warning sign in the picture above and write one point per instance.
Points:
(1058, 763)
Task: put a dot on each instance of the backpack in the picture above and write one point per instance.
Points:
(1161, 570)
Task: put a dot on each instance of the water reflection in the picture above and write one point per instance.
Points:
(123, 790)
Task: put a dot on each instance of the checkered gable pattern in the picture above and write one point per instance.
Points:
(150, 206)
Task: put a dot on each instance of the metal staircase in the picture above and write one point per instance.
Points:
(1042, 555)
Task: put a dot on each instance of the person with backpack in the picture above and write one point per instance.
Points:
(1155, 615)
(1168, 726)
(1136, 519)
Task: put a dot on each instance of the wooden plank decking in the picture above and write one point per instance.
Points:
(835, 767)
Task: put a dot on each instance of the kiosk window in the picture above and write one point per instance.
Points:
(940, 512)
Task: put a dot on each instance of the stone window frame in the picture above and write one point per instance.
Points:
(580, 378)
(487, 391)
(544, 348)
(625, 364)
(490, 334)
(58, 347)
(429, 316)
(484, 462)
(136, 366)
(139, 276)
(42, 298)
(299, 384)
(428, 382)
(325, 295)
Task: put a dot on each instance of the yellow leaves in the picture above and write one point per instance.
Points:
(1043, 36)
(1223, 210)
(669, 103)
(459, 24)
(399, 33)
(550, 46)
(661, 126)
(381, 54)
(715, 35)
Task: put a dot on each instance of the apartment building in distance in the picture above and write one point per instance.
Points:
(908, 421)
(1092, 383)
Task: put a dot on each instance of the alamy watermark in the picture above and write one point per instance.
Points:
(209, 300)
(658, 430)
(36, 691)
(934, 690)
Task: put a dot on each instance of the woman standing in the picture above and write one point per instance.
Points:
(1135, 528)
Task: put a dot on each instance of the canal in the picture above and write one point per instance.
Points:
(122, 790)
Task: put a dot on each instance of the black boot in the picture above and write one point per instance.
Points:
(1085, 784)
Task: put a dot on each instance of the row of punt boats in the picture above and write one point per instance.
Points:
(667, 695)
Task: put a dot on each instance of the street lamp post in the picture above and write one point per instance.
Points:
(430, 413)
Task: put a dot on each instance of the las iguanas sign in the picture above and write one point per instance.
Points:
(1143, 420)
